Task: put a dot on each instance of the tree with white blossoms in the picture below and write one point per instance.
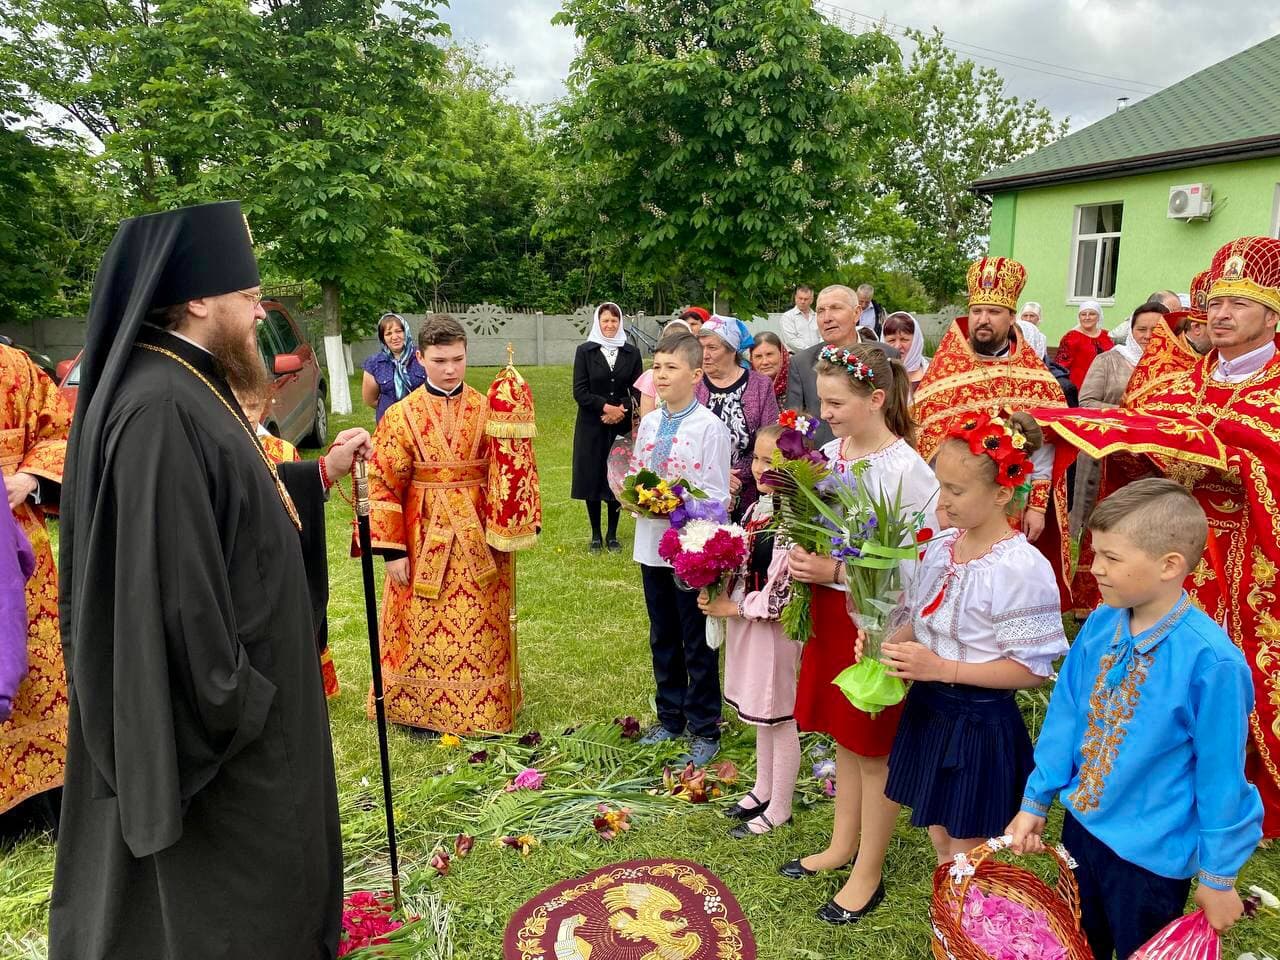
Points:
(724, 141)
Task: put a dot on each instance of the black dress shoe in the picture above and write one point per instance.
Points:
(832, 912)
(739, 812)
(796, 870)
(743, 830)
(613, 545)
(596, 544)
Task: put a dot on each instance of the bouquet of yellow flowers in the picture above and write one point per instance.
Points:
(648, 495)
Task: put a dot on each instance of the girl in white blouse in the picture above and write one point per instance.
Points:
(864, 401)
(986, 623)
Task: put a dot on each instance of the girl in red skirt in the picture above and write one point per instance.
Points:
(864, 400)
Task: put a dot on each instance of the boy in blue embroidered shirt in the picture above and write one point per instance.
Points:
(1144, 738)
(682, 439)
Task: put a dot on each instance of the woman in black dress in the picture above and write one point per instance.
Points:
(604, 368)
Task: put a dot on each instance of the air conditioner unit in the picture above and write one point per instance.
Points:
(1190, 201)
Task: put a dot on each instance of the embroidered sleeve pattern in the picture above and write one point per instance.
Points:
(1039, 499)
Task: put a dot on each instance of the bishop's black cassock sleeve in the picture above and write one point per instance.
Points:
(184, 697)
(302, 480)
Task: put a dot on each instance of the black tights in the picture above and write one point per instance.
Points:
(593, 513)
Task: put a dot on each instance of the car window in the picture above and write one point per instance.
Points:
(73, 378)
(283, 330)
(267, 340)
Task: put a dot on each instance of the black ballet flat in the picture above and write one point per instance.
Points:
(796, 870)
(596, 545)
(832, 912)
(743, 830)
(739, 812)
(613, 545)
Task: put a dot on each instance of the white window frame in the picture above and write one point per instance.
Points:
(1275, 214)
(1076, 237)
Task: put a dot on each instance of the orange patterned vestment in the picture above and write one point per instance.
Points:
(1244, 525)
(959, 382)
(282, 451)
(34, 419)
(447, 657)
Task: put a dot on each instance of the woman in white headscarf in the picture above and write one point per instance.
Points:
(604, 368)
(1029, 327)
(1081, 346)
(1103, 388)
(903, 332)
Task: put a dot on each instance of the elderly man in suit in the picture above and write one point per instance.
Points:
(838, 313)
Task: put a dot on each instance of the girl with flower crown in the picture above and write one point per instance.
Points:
(864, 401)
(985, 624)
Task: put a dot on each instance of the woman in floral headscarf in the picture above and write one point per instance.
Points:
(743, 400)
(392, 372)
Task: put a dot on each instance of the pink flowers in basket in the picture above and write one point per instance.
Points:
(1005, 930)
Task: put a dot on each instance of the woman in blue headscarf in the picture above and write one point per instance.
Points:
(394, 371)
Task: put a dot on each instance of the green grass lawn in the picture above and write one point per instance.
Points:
(585, 660)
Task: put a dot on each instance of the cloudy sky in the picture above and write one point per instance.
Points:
(1074, 56)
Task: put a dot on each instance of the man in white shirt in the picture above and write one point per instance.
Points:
(870, 314)
(800, 323)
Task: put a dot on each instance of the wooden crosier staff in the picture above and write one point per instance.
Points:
(360, 491)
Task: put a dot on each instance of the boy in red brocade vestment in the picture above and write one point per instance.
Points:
(983, 367)
(1230, 397)
(34, 419)
(448, 661)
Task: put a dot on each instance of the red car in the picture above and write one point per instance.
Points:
(298, 412)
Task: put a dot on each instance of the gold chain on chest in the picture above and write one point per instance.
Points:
(271, 467)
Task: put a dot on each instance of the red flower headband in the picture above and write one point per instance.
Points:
(849, 360)
(1002, 442)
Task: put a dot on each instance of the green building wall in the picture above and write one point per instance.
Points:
(1034, 226)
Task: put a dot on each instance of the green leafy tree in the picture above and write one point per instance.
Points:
(318, 114)
(962, 125)
(723, 140)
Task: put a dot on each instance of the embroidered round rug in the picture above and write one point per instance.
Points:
(637, 910)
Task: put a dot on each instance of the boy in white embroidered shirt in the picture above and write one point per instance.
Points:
(681, 439)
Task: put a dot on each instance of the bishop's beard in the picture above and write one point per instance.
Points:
(239, 361)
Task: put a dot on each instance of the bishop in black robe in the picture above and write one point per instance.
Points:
(200, 811)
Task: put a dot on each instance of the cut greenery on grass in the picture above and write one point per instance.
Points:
(584, 655)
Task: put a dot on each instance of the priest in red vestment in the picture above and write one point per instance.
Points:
(1224, 409)
(983, 366)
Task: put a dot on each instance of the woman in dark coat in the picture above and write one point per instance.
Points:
(604, 368)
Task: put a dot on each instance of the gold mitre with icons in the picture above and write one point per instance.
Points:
(996, 281)
(1248, 267)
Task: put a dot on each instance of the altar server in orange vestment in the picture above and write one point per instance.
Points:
(448, 662)
(34, 419)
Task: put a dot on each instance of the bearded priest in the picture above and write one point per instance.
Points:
(982, 366)
(200, 814)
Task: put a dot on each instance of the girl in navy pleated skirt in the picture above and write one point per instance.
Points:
(986, 622)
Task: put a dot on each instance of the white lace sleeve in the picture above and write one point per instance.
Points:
(1027, 613)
